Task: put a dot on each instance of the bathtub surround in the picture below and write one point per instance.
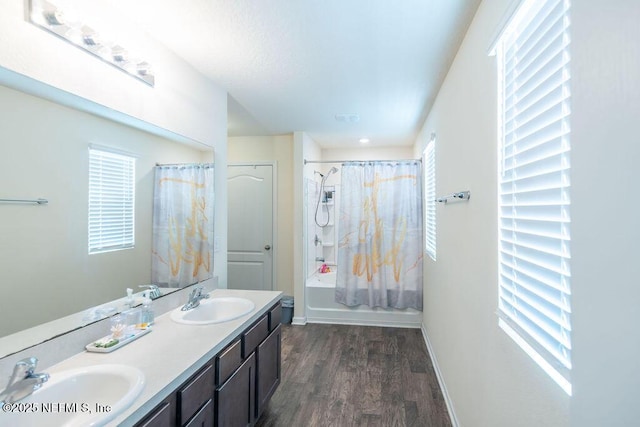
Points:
(380, 246)
(321, 307)
(315, 290)
(182, 252)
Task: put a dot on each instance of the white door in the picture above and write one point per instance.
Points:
(250, 239)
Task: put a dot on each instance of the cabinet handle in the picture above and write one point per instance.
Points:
(267, 247)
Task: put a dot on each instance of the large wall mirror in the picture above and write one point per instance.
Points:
(47, 271)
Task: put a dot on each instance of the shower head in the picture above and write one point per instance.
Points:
(332, 170)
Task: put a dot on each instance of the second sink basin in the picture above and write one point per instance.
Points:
(214, 310)
(90, 396)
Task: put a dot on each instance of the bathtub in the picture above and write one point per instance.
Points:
(322, 308)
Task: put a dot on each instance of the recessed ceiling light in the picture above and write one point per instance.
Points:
(364, 140)
(348, 118)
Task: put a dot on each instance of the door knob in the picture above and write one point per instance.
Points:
(267, 247)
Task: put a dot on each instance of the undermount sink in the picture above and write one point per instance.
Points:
(214, 310)
(90, 396)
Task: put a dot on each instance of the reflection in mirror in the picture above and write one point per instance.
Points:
(47, 270)
(182, 224)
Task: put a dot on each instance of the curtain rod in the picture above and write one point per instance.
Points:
(209, 165)
(361, 161)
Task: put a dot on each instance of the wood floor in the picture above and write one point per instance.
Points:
(338, 375)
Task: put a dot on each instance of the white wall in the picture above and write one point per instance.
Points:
(183, 101)
(491, 382)
(605, 213)
(304, 148)
(368, 153)
(44, 248)
(278, 149)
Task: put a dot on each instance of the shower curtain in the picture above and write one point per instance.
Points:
(182, 224)
(380, 235)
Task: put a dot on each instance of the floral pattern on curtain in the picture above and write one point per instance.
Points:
(182, 225)
(380, 235)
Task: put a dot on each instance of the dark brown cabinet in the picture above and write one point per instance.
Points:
(195, 393)
(236, 398)
(269, 362)
(162, 416)
(204, 417)
(233, 388)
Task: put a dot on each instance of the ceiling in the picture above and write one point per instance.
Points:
(293, 65)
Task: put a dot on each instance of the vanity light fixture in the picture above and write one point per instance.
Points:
(51, 18)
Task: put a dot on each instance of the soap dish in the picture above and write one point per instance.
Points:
(137, 333)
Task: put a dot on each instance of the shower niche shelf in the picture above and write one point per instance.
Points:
(326, 224)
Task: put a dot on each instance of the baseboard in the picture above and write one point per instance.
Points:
(443, 387)
(299, 321)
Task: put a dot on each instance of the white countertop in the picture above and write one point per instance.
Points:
(172, 352)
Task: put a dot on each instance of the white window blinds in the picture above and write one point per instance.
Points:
(430, 198)
(534, 202)
(111, 200)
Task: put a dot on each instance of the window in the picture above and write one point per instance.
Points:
(534, 274)
(111, 200)
(430, 197)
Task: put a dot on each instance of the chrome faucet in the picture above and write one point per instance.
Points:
(23, 381)
(154, 291)
(194, 298)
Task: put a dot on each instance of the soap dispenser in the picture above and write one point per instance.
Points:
(147, 316)
(129, 302)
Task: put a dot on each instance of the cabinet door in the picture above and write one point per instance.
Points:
(164, 415)
(204, 417)
(269, 361)
(235, 399)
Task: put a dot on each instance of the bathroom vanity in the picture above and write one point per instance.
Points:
(220, 374)
(231, 389)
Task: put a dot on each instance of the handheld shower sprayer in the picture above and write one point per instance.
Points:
(324, 179)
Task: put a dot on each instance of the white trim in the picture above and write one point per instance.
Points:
(274, 227)
(550, 370)
(443, 387)
(511, 11)
(299, 321)
(113, 150)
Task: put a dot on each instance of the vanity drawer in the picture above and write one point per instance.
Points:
(275, 314)
(195, 393)
(254, 336)
(228, 361)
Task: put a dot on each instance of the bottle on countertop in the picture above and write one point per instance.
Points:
(147, 316)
